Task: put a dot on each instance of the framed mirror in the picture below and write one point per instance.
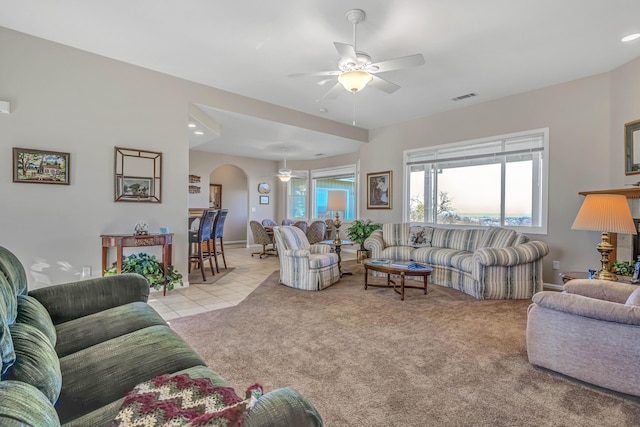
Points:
(138, 175)
(632, 147)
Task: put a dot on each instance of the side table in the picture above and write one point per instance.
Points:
(338, 248)
(570, 275)
(120, 241)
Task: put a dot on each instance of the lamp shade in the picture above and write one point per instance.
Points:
(337, 201)
(605, 212)
(354, 81)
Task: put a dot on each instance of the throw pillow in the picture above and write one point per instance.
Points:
(420, 236)
(395, 234)
(634, 298)
(497, 237)
(172, 400)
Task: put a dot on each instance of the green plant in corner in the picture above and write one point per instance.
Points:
(361, 229)
(625, 268)
(149, 267)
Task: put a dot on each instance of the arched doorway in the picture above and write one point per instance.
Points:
(233, 184)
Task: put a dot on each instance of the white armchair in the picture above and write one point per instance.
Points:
(304, 266)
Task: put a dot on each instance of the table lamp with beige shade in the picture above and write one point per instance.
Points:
(608, 213)
(337, 201)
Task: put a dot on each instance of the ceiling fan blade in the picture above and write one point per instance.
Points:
(397, 63)
(334, 91)
(346, 51)
(319, 73)
(383, 85)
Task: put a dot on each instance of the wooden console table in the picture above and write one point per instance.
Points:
(120, 241)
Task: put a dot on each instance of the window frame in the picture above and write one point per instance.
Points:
(298, 174)
(329, 172)
(538, 204)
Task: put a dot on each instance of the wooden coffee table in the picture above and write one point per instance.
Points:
(390, 269)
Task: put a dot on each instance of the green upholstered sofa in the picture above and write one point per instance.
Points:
(71, 352)
(486, 263)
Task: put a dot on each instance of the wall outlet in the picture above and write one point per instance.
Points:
(556, 265)
(86, 271)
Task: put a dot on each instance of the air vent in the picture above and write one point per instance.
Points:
(461, 97)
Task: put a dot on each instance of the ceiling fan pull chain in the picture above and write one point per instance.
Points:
(354, 108)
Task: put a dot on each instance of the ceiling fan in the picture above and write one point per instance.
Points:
(285, 174)
(355, 69)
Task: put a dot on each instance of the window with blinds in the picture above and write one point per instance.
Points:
(499, 181)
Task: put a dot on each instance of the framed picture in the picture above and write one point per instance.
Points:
(264, 200)
(632, 148)
(40, 166)
(215, 196)
(379, 185)
(135, 187)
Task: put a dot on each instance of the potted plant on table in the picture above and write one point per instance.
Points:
(358, 232)
(149, 267)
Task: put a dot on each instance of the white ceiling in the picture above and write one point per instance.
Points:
(493, 48)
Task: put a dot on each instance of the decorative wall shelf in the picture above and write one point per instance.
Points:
(193, 179)
(194, 189)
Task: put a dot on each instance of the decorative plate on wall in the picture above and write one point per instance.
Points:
(264, 188)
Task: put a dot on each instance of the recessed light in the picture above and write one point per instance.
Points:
(192, 125)
(630, 37)
(198, 132)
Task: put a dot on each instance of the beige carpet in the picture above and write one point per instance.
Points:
(365, 358)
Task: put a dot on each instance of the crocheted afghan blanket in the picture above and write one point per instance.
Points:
(179, 400)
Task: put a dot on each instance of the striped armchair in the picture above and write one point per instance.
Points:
(304, 266)
(486, 263)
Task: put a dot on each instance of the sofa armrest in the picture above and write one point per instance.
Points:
(588, 307)
(320, 249)
(512, 255)
(600, 289)
(295, 253)
(284, 407)
(25, 405)
(374, 243)
(70, 301)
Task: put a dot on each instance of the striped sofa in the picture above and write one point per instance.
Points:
(302, 265)
(486, 263)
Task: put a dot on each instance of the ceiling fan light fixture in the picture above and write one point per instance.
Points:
(355, 80)
(284, 178)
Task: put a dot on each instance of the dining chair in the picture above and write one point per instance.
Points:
(267, 222)
(288, 222)
(197, 240)
(302, 225)
(216, 236)
(316, 231)
(262, 237)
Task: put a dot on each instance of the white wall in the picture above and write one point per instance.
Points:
(234, 198)
(68, 100)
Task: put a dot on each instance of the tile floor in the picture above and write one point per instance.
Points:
(248, 273)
